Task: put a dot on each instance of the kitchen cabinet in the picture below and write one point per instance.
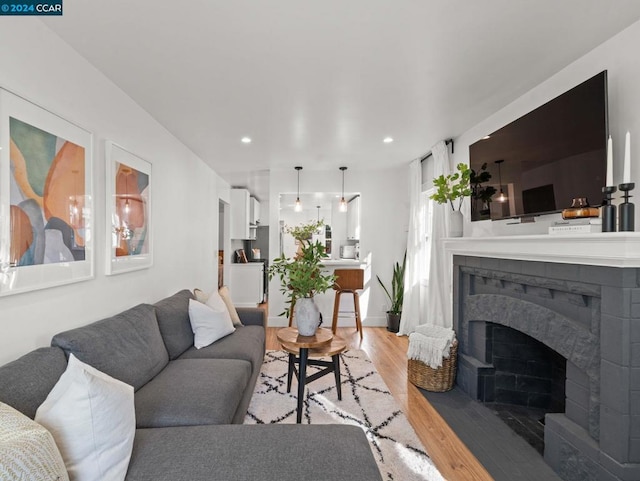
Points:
(353, 218)
(254, 211)
(240, 212)
(246, 284)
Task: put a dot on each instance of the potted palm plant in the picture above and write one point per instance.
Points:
(302, 277)
(396, 295)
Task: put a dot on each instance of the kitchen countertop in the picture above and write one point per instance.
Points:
(342, 262)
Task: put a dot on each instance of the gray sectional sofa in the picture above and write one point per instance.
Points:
(190, 403)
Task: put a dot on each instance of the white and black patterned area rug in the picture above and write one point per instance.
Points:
(366, 402)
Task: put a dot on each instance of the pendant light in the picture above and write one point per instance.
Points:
(501, 196)
(127, 207)
(318, 207)
(298, 206)
(343, 202)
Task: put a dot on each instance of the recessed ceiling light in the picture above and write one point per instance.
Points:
(387, 140)
(486, 137)
(246, 140)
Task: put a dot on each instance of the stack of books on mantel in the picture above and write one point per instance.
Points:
(576, 226)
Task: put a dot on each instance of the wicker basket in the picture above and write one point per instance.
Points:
(436, 380)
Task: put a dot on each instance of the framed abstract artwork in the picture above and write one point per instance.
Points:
(46, 204)
(128, 211)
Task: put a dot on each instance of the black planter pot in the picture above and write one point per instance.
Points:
(393, 322)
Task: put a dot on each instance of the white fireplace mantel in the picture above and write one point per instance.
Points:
(615, 249)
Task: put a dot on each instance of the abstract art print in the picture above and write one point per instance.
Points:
(129, 211)
(45, 198)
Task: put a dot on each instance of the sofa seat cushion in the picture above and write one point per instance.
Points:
(247, 343)
(127, 346)
(192, 391)
(284, 452)
(26, 382)
(173, 319)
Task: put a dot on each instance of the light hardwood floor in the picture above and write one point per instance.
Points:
(388, 353)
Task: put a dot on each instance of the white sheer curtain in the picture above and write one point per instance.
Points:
(416, 269)
(438, 302)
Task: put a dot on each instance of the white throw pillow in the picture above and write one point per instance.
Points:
(200, 295)
(92, 419)
(27, 450)
(226, 297)
(208, 324)
(216, 302)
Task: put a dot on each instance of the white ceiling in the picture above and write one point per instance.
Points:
(320, 83)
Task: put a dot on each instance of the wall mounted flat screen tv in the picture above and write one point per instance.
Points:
(538, 163)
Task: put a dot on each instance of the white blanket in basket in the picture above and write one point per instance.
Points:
(430, 344)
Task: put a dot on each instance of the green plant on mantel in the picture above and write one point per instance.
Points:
(455, 186)
(302, 276)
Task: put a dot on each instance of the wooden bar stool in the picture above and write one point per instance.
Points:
(348, 281)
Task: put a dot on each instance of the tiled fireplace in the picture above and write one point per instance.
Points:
(589, 318)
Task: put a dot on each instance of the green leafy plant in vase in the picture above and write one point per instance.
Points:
(396, 295)
(303, 233)
(302, 277)
(451, 188)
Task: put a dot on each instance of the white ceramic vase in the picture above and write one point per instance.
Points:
(307, 316)
(455, 223)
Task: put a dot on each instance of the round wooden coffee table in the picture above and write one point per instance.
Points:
(303, 351)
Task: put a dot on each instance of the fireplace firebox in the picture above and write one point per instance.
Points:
(564, 338)
(528, 381)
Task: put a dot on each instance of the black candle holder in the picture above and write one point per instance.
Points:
(627, 209)
(608, 209)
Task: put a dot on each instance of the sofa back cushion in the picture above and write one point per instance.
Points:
(173, 320)
(127, 346)
(26, 382)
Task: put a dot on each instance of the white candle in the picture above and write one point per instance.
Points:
(626, 177)
(609, 162)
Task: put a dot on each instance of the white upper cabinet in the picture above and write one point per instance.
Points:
(245, 214)
(254, 211)
(240, 214)
(353, 219)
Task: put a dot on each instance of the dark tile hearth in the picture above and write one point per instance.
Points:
(507, 456)
(527, 422)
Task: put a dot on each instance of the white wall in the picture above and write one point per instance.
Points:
(384, 214)
(37, 65)
(619, 56)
